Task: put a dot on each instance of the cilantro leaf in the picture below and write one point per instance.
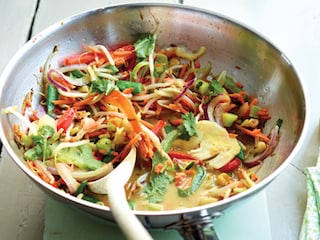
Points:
(215, 88)
(158, 183)
(157, 187)
(46, 132)
(145, 46)
(103, 86)
(42, 144)
(188, 127)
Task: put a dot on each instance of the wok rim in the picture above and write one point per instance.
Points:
(220, 204)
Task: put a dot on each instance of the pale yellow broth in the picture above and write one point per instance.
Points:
(172, 200)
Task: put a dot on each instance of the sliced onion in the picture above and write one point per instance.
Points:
(73, 67)
(220, 192)
(144, 97)
(66, 174)
(216, 107)
(251, 162)
(160, 84)
(186, 86)
(106, 52)
(74, 94)
(33, 129)
(55, 83)
(81, 175)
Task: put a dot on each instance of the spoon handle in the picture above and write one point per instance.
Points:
(131, 227)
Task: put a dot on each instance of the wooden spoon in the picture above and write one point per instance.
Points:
(113, 185)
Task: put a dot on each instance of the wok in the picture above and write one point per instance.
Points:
(245, 54)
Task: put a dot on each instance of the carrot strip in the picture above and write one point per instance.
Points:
(124, 152)
(86, 58)
(32, 165)
(158, 168)
(95, 133)
(147, 124)
(176, 122)
(190, 172)
(253, 133)
(169, 53)
(177, 107)
(186, 104)
(117, 99)
(233, 135)
(159, 125)
(85, 101)
(63, 101)
(254, 101)
(145, 147)
(158, 109)
(183, 70)
(238, 96)
(254, 177)
(181, 155)
(127, 90)
(123, 54)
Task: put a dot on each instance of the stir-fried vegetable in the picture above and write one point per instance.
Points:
(197, 133)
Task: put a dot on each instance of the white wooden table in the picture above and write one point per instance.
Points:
(292, 25)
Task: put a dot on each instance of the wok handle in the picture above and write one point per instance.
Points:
(197, 227)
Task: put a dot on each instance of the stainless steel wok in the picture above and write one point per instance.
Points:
(246, 55)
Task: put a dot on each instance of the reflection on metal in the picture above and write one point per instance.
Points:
(197, 226)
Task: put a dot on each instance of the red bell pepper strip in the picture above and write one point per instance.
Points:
(83, 58)
(66, 120)
(231, 166)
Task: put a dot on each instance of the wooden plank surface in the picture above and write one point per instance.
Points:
(16, 18)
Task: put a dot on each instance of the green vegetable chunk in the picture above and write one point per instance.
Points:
(104, 145)
(254, 110)
(52, 94)
(76, 74)
(103, 86)
(81, 188)
(202, 87)
(228, 119)
(215, 88)
(195, 184)
(80, 156)
(136, 86)
(161, 63)
(231, 85)
(145, 46)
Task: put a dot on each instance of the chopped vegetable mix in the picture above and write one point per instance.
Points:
(198, 133)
